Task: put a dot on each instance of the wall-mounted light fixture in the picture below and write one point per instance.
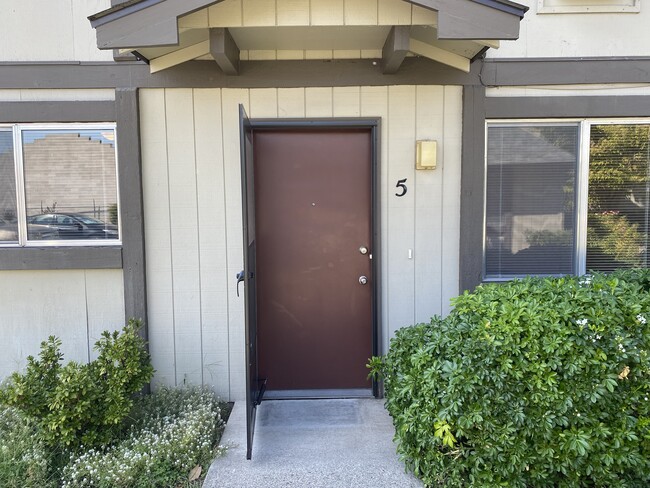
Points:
(426, 155)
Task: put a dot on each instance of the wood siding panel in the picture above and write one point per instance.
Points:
(231, 98)
(400, 277)
(393, 12)
(226, 14)
(293, 12)
(361, 12)
(346, 101)
(213, 272)
(326, 12)
(155, 183)
(428, 207)
(264, 103)
(291, 102)
(318, 102)
(259, 13)
(451, 172)
(184, 234)
(69, 304)
(104, 302)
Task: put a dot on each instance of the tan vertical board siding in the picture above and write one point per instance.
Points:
(201, 129)
(401, 220)
(226, 14)
(157, 229)
(424, 16)
(318, 102)
(214, 279)
(428, 207)
(231, 98)
(104, 287)
(360, 12)
(63, 303)
(291, 102)
(451, 194)
(394, 12)
(326, 12)
(184, 234)
(293, 12)
(374, 103)
(259, 13)
(196, 20)
(346, 101)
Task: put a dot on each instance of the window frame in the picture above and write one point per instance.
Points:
(19, 173)
(584, 125)
(594, 7)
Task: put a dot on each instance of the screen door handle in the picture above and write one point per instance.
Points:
(240, 278)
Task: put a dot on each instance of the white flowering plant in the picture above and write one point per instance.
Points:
(23, 458)
(171, 432)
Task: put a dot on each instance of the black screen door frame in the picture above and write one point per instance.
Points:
(254, 384)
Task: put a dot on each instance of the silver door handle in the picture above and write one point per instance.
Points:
(363, 280)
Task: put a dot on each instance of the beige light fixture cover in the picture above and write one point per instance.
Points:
(426, 155)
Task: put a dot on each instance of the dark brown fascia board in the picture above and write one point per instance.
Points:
(564, 71)
(468, 19)
(306, 73)
(146, 23)
(252, 74)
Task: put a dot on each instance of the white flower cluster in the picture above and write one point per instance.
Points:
(642, 320)
(582, 322)
(175, 430)
(20, 451)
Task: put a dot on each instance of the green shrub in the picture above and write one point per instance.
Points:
(171, 433)
(81, 404)
(23, 458)
(533, 383)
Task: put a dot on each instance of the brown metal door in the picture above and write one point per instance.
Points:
(313, 214)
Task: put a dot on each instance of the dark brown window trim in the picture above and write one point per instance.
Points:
(48, 258)
(476, 109)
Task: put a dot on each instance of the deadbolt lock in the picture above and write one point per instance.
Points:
(363, 280)
(363, 250)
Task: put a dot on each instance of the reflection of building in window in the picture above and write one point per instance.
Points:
(73, 172)
(68, 184)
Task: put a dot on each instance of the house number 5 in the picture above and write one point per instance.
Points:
(401, 184)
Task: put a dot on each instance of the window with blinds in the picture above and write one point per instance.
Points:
(619, 195)
(541, 219)
(530, 199)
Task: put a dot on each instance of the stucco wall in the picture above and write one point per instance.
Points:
(559, 35)
(193, 225)
(46, 30)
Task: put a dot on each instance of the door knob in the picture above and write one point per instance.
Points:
(363, 280)
(363, 250)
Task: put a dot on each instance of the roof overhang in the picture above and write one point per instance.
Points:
(454, 34)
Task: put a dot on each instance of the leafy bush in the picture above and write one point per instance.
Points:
(173, 432)
(533, 383)
(23, 458)
(81, 404)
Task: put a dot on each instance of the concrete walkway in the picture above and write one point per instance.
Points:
(314, 444)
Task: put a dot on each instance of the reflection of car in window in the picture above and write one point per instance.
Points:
(9, 231)
(73, 226)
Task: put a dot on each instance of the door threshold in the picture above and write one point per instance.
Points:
(318, 394)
